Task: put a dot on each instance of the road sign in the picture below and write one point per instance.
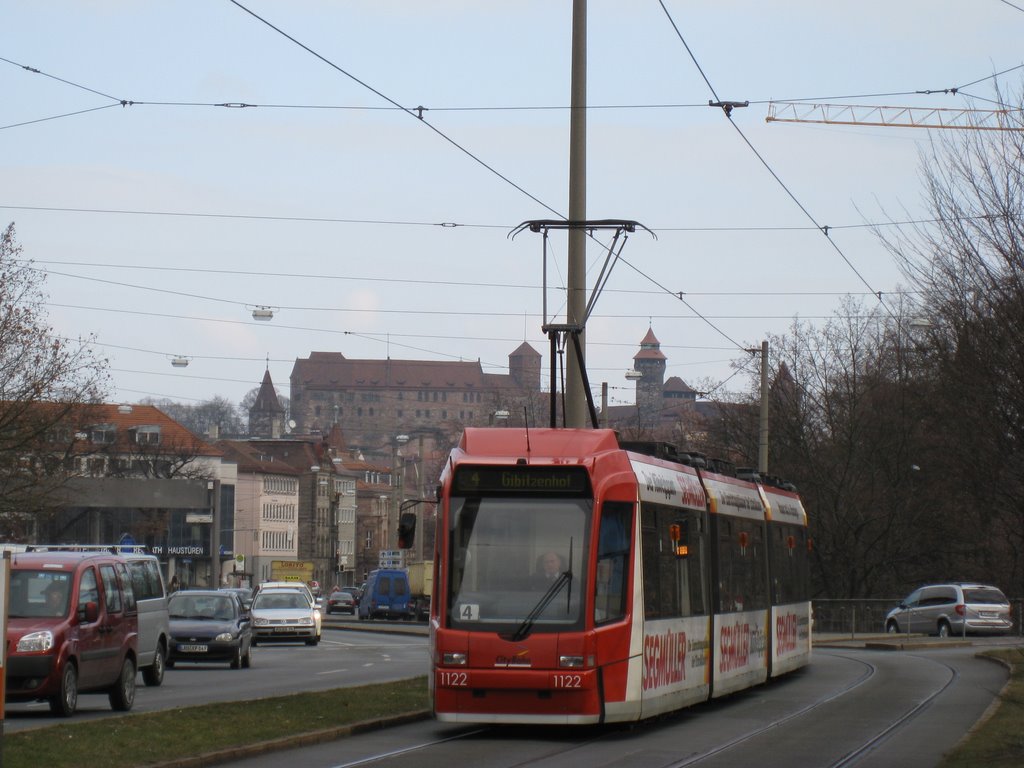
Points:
(391, 558)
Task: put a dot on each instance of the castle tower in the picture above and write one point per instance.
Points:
(651, 364)
(524, 366)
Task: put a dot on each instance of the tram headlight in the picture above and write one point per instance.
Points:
(454, 659)
(570, 662)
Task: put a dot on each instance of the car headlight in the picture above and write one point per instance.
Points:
(307, 621)
(224, 637)
(260, 621)
(35, 642)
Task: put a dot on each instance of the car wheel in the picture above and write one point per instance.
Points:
(247, 659)
(236, 660)
(944, 629)
(169, 664)
(892, 628)
(64, 703)
(313, 641)
(153, 675)
(122, 693)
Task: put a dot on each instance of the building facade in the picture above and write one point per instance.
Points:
(374, 401)
(136, 476)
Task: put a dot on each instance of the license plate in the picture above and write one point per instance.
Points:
(988, 615)
(282, 629)
(193, 648)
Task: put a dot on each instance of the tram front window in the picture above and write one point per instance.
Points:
(508, 555)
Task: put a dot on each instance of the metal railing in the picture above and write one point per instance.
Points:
(867, 616)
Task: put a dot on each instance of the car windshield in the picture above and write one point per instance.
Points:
(515, 567)
(39, 593)
(201, 607)
(272, 601)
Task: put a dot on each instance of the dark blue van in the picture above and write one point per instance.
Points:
(386, 594)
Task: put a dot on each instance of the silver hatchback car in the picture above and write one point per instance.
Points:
(952, 609)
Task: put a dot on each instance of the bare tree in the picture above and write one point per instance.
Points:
(42, 379)
(217, 415)
(968, 263)
(846, 428)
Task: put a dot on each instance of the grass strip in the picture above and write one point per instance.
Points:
(998, 742)
(156, 737)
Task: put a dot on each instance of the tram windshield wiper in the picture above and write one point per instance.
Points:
(565, 577)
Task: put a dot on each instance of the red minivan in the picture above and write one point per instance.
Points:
(72, 628)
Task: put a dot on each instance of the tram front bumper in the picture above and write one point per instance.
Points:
(517, 696)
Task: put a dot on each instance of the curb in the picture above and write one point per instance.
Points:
(291, 742)
(992, 708)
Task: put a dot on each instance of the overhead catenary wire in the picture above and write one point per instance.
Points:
(405, 280)
(871, 225)
(408, 111)
(393, 106)
(727, 111)
(688, 293)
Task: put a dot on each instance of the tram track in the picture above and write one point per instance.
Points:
(869, 672)
(566, 750)
(853, 756)
(573, 746)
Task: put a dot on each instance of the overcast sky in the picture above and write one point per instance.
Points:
(163, 219)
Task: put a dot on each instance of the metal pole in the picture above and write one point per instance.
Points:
(762, 448)
(575, 402)
(215, 537)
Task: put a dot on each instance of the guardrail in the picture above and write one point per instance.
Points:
(868, 615)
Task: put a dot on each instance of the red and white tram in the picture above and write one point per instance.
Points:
(672, 584)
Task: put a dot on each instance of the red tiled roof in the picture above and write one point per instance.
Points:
(126, 418)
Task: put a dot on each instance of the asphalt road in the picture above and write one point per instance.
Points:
(341, 659)
(851, 706)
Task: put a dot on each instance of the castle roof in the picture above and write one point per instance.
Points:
(266, 399)
(650, 348)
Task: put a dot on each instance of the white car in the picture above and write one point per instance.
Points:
(287, 585)
(282, 614)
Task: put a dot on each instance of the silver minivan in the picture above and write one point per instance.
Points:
(154, 622)
(952, 609)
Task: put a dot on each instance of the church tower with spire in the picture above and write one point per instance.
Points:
(266, 416)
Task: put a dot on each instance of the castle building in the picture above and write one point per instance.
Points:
(375, 401)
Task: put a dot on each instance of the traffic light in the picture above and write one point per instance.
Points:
(407, 530)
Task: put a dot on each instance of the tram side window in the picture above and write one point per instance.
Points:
(674, 586)
(612, 561)
(789, 564)
(742, 565)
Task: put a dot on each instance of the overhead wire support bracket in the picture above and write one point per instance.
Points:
(612, 251)
(728, 106)
(574, 330)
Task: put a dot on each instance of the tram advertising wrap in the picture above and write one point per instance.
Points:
(579, 582)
